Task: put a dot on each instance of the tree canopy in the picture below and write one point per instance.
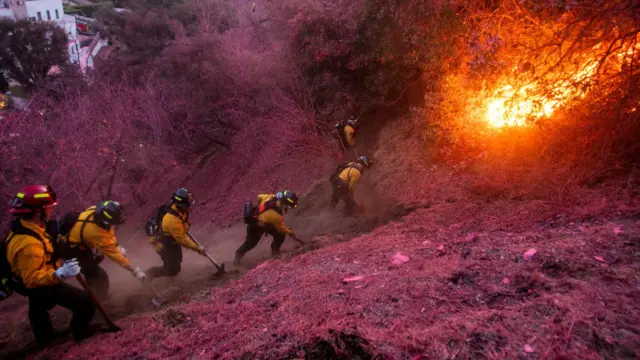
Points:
(28, 50)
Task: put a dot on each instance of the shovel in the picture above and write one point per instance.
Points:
(220, 268)
(111, 326)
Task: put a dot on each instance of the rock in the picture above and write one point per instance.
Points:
(399, 259)
(353, 278)
(472, 238)
(528, 349)
(529, 254)
(441, 250)
(599, 258)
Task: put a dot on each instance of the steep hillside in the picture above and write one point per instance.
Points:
(445, 278)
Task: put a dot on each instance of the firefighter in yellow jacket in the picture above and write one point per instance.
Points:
(91, 238)
(33, 269)
(344, 182)
(347, 132)
(268, 219)
(174, 224)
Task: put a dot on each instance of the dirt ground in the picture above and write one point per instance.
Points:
(312, 221)
(442, 276)
(464, 291)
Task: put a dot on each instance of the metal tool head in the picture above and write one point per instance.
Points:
(158, 302)
(221, 272)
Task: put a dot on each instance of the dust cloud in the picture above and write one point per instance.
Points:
(313, 218)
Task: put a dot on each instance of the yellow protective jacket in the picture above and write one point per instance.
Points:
(351, 176)
(176, 227)
(271, 217)
(31, 259)
(87, 235)
(349, 134)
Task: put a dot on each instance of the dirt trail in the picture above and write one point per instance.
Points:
(314, 222)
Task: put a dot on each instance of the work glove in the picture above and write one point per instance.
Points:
(122, 251)
(70, 268)
(139, 274)
(201, 251)
(159, 247)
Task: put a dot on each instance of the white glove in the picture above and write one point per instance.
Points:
(139, 274)
(70, 268)
(122, 251)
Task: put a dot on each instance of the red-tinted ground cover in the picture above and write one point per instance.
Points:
(465, 292)
(476, 299)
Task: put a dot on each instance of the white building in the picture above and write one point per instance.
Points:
(5, 11)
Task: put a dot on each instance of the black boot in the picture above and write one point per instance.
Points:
(236, 259)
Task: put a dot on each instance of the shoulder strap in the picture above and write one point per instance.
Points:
(346, 166)
(89, 219)
(177, 214)
(271, 204)
(21, 230)
(18, 229)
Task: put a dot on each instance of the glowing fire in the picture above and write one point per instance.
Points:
(514, 106)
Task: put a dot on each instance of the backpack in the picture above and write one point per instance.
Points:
(8, 282)
(153, 227)
(251, 212)
(155, 222)
(6, 277)
(335, 176)
(62, 228)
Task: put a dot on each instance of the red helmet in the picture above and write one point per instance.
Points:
(33, 198)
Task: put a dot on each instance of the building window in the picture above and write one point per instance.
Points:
(48, 15)
(57, 16)
(39, 16)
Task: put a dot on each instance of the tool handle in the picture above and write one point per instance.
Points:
(205, 253)
(212, 261)
(85, 286)
(193, 239)
(298, 240)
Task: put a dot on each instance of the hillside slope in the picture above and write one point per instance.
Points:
(476, 298)
(459, 289)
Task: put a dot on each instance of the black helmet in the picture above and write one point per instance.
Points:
(289, 198)
(353, 121)
(110, 213)
(183, 197)
(364, 160)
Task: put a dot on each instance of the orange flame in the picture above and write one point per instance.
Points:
(514, 106)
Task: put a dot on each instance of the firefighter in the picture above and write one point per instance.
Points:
(344, 182)
(268, 219)
(347, 132)
(91, 238)
(174, 224)
(33, 269)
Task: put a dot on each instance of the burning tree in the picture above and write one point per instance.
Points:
(564, 73)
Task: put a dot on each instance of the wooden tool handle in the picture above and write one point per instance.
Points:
(83, 282)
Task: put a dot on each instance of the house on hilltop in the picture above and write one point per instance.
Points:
(52, 11)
